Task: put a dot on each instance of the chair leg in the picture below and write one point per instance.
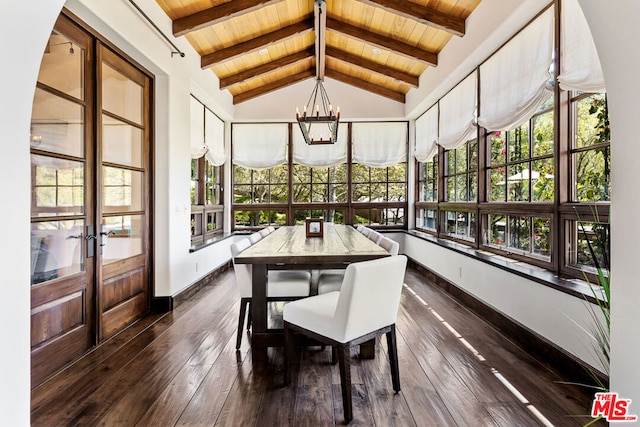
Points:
(393, 358)
(334, 355)
(243, 310)
(288, 344)
(344, 362)
(249, 316)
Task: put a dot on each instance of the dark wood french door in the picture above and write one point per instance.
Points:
(90, 218)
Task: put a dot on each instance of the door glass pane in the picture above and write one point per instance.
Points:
(122, 190)
(124, 238)
(121, 95)
(62, 66)
(56, 249)
(57, 187)
(57, 125)
(121, 142)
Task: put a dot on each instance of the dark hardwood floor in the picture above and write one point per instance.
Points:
(181, 368)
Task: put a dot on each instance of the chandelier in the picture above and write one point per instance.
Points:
(320, 121)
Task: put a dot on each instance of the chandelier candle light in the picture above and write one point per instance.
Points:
(323, 115)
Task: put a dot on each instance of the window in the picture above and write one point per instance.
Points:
(206, 200)
(427, 203)
(541, 189)
(342, 194)
(521, 163)
(254, 191)
(207, 152)
(461, 177)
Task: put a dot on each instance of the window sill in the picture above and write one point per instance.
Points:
(574, 287)
(212, 240)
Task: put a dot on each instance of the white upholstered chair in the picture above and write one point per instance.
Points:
(255, 237)
(264, 232)
(282, 285)
(363, 229)
(366, 307)
(390, 245)
(375, 236)
(271, 228)
(332, 279)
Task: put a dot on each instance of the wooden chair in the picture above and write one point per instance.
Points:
(366, 307)
(282, 285)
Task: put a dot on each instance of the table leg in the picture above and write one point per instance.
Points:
(368, 349)
(258, 311)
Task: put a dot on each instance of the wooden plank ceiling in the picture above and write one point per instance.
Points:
(259, 46)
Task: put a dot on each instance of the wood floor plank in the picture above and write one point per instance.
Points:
(386, 404)
(206, 404)
(166, 409)
(314, 400)
(278, 402)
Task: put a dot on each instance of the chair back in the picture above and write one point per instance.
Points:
(364, 230)
(242, 272)
(369, 297)
(255, 237)
(375, 237)
(264, 232)
(390, 246)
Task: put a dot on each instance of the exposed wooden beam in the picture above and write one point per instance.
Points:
(253, 93)
(356, 60)
(320, 26)
(396, 46)
(217, 14)
(266, 68)
(387, 93)
(423, 14)
(258, 42)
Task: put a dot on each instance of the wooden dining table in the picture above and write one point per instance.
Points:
(289, 248)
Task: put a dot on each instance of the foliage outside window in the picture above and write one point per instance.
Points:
(461, 177)
(590, 151)
(521, 160)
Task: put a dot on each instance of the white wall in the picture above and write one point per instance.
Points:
(23, 36)
(615, 29)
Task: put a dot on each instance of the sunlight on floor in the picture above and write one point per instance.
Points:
(512, 389)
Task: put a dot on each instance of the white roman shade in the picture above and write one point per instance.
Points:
(580, 68)
(427, 135)
(320, 155)
(214, 138)
(515, 81)
(196, 111)
(458, 114)
(259, 145)
(379, 145)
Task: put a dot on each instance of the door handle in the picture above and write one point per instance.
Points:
(90, 235)
(105, 234)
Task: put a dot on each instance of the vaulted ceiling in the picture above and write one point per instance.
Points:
(259, 46)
